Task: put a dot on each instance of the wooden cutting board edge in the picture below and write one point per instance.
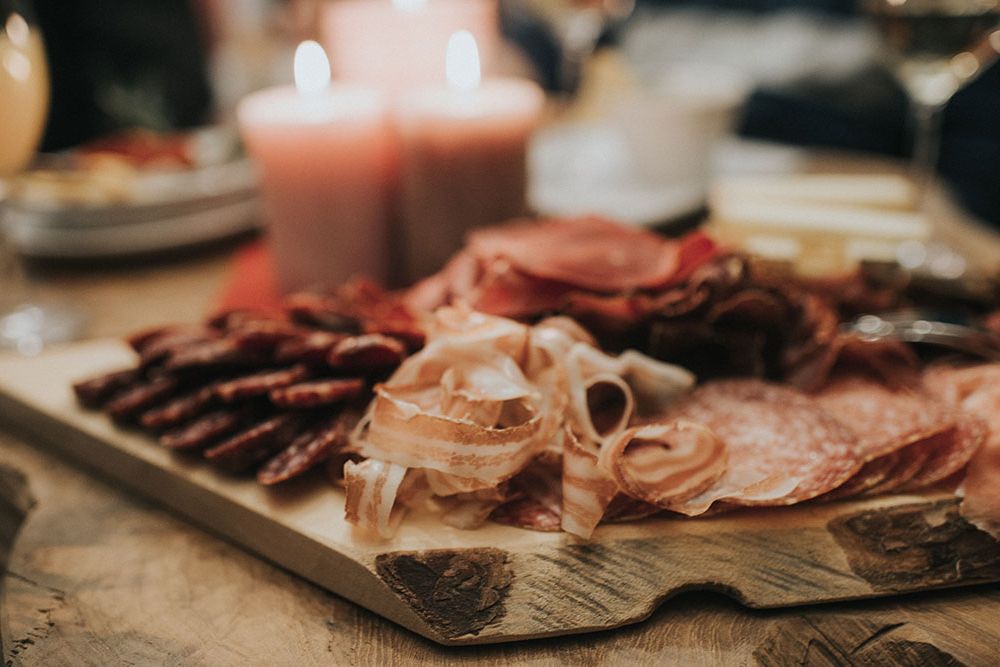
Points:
(533, 588)
(194, 504)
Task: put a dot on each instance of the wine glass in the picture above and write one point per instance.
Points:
(577, 26)
(24, 101)
(935, 47)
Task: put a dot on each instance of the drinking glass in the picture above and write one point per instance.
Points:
(24, 100)
(935, 47)
(577, 26)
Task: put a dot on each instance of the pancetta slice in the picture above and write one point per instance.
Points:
(664, 464)
(587, 489)
(372, 487)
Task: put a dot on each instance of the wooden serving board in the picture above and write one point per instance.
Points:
(500, 583)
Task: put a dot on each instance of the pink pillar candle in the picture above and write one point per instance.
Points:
(398, 44)
(463, 164)
(327, 160)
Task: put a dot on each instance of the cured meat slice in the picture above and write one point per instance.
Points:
(536, 496)
(254, 444)
(157, 346)
(870, 475)
(977, 391)
(179, 410)
(316, 393)
(131, 402)
(590, 253)
(95, 392)
(890, 360)
(885, 419)
(264, 335)
(528, 513)
(950, 452)
(587, 490)
(306, 451)
(370, 351)
(312, 348)
(211, 354)
(908, 465)
(783, 448)
(664, 464)
(372, 489)
(259, 384)
(203, 431)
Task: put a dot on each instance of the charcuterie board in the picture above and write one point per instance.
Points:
(501, 583)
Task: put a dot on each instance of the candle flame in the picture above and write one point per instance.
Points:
(312, 68)
(409, 5)
(462, 61)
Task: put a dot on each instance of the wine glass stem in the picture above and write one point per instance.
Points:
(926, 148)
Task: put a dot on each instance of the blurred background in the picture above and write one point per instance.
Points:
(817, 132)
(812, 69)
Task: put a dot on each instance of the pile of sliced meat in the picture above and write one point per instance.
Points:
(684, 300)
(526, 269)
(277, 394)
(536, 427)
(515, 386)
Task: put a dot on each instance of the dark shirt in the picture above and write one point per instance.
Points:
(118, 64)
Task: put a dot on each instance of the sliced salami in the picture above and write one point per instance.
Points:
(977, 391)
(950, 452)
(783, 447)
(886, 419)
(909, 463)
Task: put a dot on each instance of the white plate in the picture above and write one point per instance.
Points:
(171, 211)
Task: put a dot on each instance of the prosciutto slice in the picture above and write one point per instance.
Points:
(590, 253)
(531, 268)
(783, 448)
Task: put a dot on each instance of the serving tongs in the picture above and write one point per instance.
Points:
(915, 326)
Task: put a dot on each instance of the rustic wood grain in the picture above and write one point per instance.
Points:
(100, 577)
(500, 583)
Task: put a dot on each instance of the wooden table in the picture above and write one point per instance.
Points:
(97, 576)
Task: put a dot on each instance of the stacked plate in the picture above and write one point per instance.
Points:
(60, 214)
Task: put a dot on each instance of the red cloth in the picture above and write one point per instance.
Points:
(252, 282)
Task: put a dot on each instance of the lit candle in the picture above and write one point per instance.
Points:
(464, 162)
(327, 162)
(398, 44)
